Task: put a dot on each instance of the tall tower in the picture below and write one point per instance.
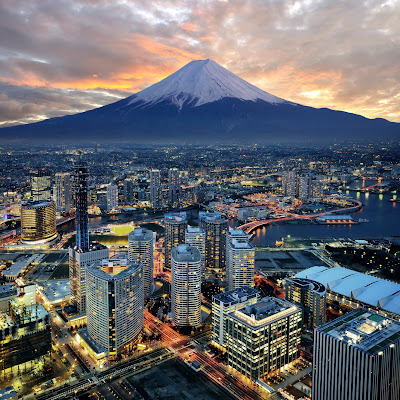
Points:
(112, 197)
(155, 188)
(140, 250)
(186, 286)
(175, 226)
(240, 256)
(81, 204)
(196, 237)
(63, 195)
(215, 227)
(174, 187)
(357, 357)
(114, 303)
(40, 184)
(83, 254)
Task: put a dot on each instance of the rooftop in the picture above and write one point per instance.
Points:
(185, 253)
(113, 269)
(194, 229)
(56, 290)
(367, 331)
(211, 217)
(266, 311)
(175, 217)
(236, 295)
(308, 283)
(364, 288)
(140, 234)
(241, 244)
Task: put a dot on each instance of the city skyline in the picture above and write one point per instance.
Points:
(321, 54)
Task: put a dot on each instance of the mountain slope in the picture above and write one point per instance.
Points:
(204, 103)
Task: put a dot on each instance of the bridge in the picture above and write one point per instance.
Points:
(251, 226)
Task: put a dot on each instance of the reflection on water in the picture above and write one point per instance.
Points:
(383, 217)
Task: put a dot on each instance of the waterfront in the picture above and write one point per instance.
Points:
(383, 217)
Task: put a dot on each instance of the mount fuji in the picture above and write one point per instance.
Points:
(204, 103)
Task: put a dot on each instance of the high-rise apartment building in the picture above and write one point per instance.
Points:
(40, 184)
(186, 286)
(311, 296)
(25, 336)
(129, 191)
(174, 187)
(225, 303)
(240, 256)
(215, 227)
(263, 337)
(83, 254)
(357, 357)
(63, 192)
(38, 222)
(175, 227)
(141, 250)
(156, 193)
(195, 236)
(290, 183)
(112, 197)
(305, 187)
(115, 302)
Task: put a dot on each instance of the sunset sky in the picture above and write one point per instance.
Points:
(61, 57)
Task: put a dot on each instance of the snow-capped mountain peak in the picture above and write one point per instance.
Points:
(200, 82)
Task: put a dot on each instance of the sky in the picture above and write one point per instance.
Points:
(61, 57)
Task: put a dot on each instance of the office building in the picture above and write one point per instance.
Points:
(175, 227)
(263, 337)
(225, 303)
(112, 197)
(215, 227)
(129, 192)
(63, 192)
(38, 222)
(311, 296)
(140, 250)
(195, 236)
(186, 286)
(40, 184)
(83, 254)
(240, 255)
(357, 357)
(174, 187)
(25, 337)
(290, 183)
(156, 193)
(115, 302)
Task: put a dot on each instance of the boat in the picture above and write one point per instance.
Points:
(394, 200)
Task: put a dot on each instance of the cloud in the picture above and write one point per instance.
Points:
(69, 56)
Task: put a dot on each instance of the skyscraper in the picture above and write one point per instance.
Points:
(290, 183)
(223, 304)
(215, 227)
(81, 203)
(240, 255)
(195, 236)
(63, 192)
(82, 254)
(175, 226)
(140, 250)
(174, 187)
(129, 193)
(186, 286)
(305, 186)
(155, 189)
(311, 296)
(40, 184)
(263, 337)
(38, 222)
(115, 302)
(357, 357)
(112, 197)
